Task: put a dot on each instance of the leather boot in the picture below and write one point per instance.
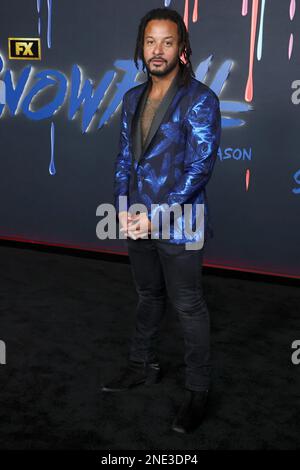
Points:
(135, 373)
(191, 411)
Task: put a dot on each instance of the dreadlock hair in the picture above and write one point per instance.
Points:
(186, 69)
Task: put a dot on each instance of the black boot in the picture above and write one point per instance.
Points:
(135, 373)
(191, 411)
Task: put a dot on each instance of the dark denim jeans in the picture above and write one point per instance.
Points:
(158, 268)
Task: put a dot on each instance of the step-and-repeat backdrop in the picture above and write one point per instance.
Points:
(64, 67)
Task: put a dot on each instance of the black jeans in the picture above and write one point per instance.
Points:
(159, 268)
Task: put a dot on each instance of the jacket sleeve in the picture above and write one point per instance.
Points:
(203, 133)
(122, 165)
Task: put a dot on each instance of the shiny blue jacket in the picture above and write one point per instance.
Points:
(177, 159)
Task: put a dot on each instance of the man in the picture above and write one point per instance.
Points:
(170, 134)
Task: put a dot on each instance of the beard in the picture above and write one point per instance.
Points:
(161, 70)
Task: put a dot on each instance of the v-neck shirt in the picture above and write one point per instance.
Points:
(147, 117)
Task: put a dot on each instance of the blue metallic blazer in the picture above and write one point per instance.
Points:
(174, 165)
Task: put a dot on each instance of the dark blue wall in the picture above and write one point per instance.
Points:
(255, 228)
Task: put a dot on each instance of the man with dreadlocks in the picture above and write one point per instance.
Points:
(170, 134)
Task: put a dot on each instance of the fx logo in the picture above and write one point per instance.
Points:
(24, 48)
(2, 352)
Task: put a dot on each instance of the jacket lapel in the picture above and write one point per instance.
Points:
(136, 134)
(162, 114)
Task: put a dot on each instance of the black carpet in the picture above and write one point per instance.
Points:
(67, 321)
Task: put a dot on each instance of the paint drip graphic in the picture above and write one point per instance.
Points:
(291, 40)
(195, 15)
(49, 20)
(90, 99)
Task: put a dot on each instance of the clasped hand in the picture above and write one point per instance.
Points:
(134, 225)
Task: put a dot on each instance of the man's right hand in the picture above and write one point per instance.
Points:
(124, 218)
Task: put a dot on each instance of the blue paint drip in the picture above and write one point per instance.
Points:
(2, 90)
(235, 106)
(49, 3)
(38, 7)
(230, 122)
(221, 76)
(52, 169)
(202, 69)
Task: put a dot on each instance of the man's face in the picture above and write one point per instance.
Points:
(161, 42)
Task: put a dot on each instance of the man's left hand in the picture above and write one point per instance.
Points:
(138, 227)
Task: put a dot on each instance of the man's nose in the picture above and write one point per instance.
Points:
(158, 49)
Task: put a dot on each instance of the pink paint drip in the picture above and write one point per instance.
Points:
(291, 42)
(249, 86)
(186, 22)
(186, 18)
(195, 11)
(186, 14)
(292, 9)
(245, 7)
(247, 178)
